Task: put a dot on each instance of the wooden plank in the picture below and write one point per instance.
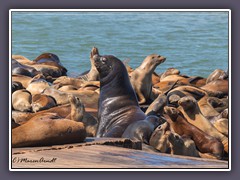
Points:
(102, 156)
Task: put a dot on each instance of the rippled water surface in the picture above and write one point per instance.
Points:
(194, 42)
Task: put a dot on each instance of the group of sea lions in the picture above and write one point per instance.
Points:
(167, 112)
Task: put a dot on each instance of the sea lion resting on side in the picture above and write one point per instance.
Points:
(41, 102)
(118, 106)
(21, 100)
(141, 77)
(46, 130)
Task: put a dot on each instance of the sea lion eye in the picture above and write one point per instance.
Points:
(159, 56)
(103, 59)
(152, 57)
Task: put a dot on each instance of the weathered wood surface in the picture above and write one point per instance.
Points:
(94, 154)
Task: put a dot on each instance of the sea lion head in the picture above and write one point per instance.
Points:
(187, 102)
(152, 61)
(109, 67)
(172, 112)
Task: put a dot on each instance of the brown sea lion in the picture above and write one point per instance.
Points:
(79, 114)
(206, 108)
(41, 102)
(169, 71)
(190, 109)
(197, 81)
(182, 145)
(37, 85)
(204, 142)
(217, 74)
(217, 88)
(174, 78)
(142, 130)
(47, 130)
(159, 138)
(89, 98)
(118, 106)
(65, 80)
(221, 125)
(23, 60)
(187, 90)
(93, 74)
(66, 88)
(24, 80)
(21, 100)
(218, 104)
(141, 77)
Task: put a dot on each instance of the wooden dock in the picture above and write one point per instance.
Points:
(109, 153)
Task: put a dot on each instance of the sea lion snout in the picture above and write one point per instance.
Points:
(171, 112)
(94, 52)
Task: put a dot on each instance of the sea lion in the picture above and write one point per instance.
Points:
(217, 88)
(22, 59)
(217, 74)
(37, 85)
(188, 90)
(197, 81)
(159, 138)
(141, 78)
(93, 74)
(21, 100)
(89, 98)
(221, 125)
(142, 130)
(169, 71)
(16, 86)
(182, 145)
(65, 80)
(79, 114)
(218, 104)
(118, 106)
(157, 105)
(66, 88)
(47, 130)
(204, 142)
(174, 78)
(190, 109)
(18, 68)
(41, 102)
(24, 80)
(206, 108)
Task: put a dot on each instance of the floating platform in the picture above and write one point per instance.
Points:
(101, 153)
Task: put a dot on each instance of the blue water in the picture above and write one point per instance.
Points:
(194, 42)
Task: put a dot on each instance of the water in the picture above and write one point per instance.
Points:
(194, 42)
